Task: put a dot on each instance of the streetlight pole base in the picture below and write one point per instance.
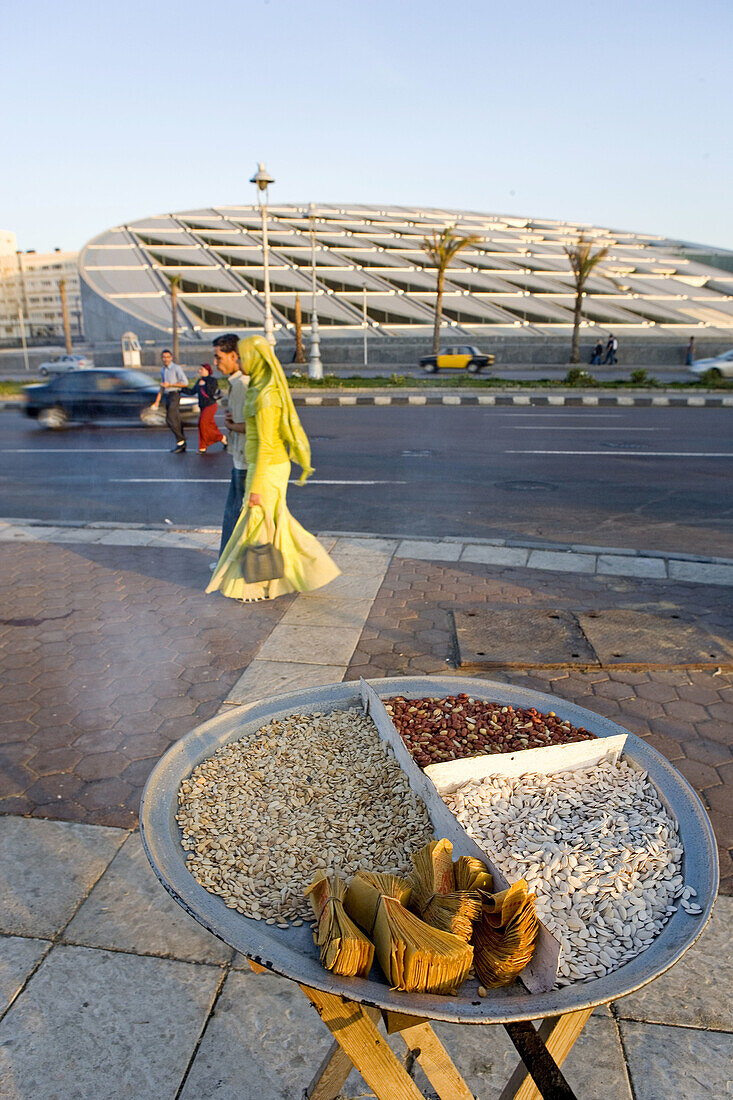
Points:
(315, 366)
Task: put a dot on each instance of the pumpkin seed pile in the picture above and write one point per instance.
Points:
(307, 793)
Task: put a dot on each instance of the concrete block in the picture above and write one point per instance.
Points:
(104, 1024)
(428, 550)
(700, 572)
(495, 555)
(128, 910)
(677, 1061)
(631, 567)
(47, 868)
(562, 562)
(349, 587)
(327, 612)
(689, 995)
(264, 678)
(18, 957)
(312, 645)
(136, 538)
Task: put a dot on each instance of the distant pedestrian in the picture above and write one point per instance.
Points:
(205, 389)
(595, 359)
(172, 381)
(611, 349)
(226, 359)
(690, 353)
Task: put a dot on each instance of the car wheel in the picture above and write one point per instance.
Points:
(473, 367)
(53, 418)
(152, 418)
(715, 372)
(430, 368)
(43, 372)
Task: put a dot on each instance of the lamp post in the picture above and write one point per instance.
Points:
(263, 180)
(315, 366)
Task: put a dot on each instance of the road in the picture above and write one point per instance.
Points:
(655, 478)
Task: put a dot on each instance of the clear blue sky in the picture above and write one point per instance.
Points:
(616, 113)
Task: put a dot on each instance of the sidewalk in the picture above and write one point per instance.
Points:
(109, 651)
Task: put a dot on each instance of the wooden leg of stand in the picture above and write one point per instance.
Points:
(436, 1062)
(330, 1077)
(558, 1034)
(355, 1030)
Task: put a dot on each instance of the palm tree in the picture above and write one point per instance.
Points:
(175, 281)
(582, 261)
(441, 248)
(299, 353)
(65, 315)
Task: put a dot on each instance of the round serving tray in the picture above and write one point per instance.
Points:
(292, 953)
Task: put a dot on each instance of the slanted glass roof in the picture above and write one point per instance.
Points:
(516, 274)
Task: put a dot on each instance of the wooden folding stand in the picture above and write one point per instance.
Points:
(358, 1043)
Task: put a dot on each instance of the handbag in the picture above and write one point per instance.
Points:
(262, 563)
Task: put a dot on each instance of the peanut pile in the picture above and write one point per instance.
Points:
(435, 730)
(309, 792)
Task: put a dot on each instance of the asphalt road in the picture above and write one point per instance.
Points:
(654, 478)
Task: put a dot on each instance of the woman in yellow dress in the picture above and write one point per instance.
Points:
(274, 436)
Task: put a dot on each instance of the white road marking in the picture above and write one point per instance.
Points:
(225, 480)
(640, 454)
(82, 450)
(582, 428)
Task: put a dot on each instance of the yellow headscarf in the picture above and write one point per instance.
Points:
(268, 386)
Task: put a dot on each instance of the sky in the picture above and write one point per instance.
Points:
(617, 113)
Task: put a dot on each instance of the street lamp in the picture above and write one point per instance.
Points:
(315, 366)
(262, 179)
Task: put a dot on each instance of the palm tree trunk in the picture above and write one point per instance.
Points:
(575, 351)
(65, 315)
(438, 310)
(299, 352)
(174, 310)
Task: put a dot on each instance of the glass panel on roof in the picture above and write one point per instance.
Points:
(282, 279)
(137, 281)
(328, 307)
(205, 281)
(401, 308)
(242, 307)
(113, 257)
(180, 257)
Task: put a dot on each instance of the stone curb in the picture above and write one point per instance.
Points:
(543, 400)
(507, 552)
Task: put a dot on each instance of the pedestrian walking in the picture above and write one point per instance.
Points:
(205, 389)
(226, 360)
(172, 381)
(690, 352)
(611, 349)
(293, 559)
(595, 359)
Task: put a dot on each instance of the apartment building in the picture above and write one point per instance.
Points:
(29, 291)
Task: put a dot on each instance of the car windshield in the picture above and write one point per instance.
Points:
(137, 379)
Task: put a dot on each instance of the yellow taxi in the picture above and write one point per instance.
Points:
(461, 357)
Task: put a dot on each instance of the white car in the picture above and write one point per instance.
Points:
(64, 363)
(722, 365)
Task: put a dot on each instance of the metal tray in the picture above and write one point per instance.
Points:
(292, 953)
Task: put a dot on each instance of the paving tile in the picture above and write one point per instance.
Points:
(700, 572)
(327, 611)
(626, 566)
(350, 587)
(265, 678)
(96, 1024)
(46, 869)
(429, 551)
(128, 910)
(311, 644)
(688, 995)
(495, 555)
(561, 561)
(677, 1061)
(18, 957)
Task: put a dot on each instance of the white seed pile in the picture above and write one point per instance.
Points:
(596, 847)
(309, 793)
